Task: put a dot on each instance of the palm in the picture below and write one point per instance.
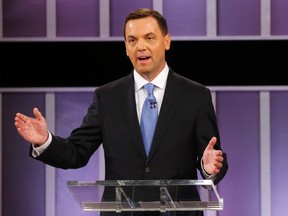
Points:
(33, 130)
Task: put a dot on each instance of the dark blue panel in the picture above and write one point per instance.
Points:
(24, 18)
(238, 17)
(238, 118)
(70, 109)
(279, 17)
(185, 18)
(77, 18)
(23, 189)
(279, 159)
(120, 9)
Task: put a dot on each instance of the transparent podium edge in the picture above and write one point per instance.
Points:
(165, 203)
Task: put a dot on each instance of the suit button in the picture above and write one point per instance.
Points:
(147, 169)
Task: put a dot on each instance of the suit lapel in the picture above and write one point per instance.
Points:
(169, 104)
(129, 106)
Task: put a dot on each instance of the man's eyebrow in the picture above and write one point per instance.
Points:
(130, 37)
(150, 33)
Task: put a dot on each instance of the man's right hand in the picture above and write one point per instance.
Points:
(33, 130)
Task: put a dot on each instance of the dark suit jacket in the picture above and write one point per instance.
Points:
(185, 125)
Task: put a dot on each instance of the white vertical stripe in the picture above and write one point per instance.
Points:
(1, 141)
(51, 26)
(265, 168)
(50, 172)
(211, 15)
(265, 17)
(1, 24)
(104, 22)
(158, 5)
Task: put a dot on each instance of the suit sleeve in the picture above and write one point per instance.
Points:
(206, 129)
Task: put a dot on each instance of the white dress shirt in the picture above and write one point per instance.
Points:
(141, 94)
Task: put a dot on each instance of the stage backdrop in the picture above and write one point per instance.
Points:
(235, 47)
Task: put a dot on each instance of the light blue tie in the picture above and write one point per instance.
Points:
(148, 117)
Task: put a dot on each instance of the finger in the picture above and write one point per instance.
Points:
(218, 153)
(20, 118)
(219, 159)
(20, 127)
(218, 165)
(17, 125)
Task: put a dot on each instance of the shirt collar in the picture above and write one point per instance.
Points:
(159, 81)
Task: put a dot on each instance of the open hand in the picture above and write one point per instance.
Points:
(33, 130)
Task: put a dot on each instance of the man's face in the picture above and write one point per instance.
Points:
(146, 46)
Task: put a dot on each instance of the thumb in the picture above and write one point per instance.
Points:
(38, 114)
(211, 143)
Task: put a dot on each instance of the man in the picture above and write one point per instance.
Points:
(186, 137)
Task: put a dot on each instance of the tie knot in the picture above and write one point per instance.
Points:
(149, 87)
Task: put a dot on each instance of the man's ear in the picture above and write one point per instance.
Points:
(167, 41)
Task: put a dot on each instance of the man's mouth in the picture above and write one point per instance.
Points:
(143, 58)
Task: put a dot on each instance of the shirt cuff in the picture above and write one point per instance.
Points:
(207, 175)
(38, 150)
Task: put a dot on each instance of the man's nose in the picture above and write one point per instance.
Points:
(141, 45)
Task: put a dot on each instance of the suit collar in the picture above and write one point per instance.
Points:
(159, 81)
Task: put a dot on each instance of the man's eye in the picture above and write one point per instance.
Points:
(132, 41)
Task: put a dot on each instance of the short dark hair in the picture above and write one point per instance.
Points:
(147, 12)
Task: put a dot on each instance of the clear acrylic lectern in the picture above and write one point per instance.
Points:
(145, 195)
